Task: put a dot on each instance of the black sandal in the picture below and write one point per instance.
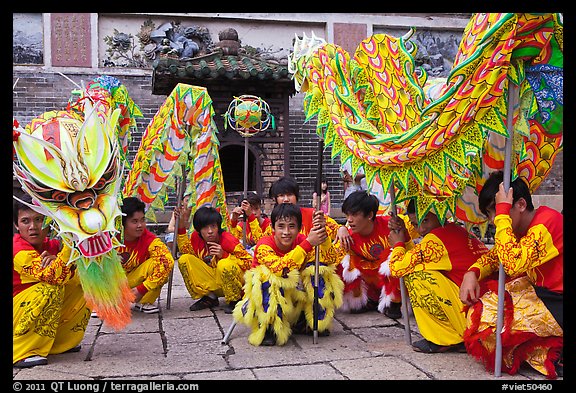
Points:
(204, 302)
(426, 346)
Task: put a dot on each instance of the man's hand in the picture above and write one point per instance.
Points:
(398, 232)
(318, 219)
(344, 238)
(246, 208)
(317, 236)
(503, 196)
(215, 249)
(183, 213)
(47, 259)
(470, 288)
(236, 213)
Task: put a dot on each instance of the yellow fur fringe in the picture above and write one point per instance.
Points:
(292, 303)
(255, 317)
(332, 299)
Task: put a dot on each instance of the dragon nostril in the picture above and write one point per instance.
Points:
(81, 200)
(85, 203)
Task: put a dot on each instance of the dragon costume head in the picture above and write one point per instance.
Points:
(69, 162)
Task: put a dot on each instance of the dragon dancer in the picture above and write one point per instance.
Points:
(145, 257)
(368, 285)
(280, 286)
(433, 271)
(213, 261)
(49, 312)
(251, 208)
(529, 244)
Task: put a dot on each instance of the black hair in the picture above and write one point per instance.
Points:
(487, 196)
(319, 186)
(131, 205)
(18, 206)
(207, 215)
(361, 201)
(286, 210)
(252, 198)
(284, 185)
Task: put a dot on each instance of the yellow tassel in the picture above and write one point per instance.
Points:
(255, 317)
(332, 299)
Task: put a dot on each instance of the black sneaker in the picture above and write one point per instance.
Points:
(77, 348)
(204, 302)
(229, 307)
(393, 311)
(269, 338)
(300, 326)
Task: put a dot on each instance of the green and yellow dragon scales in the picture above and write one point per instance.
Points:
(439, 141)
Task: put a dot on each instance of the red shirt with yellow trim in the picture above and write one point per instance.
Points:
(307, 214)
(254, 231)
(267, 253)
(27, 264)
(539, 254)
(370, 251)
(147, 246)
(450, 249)
(195, 245)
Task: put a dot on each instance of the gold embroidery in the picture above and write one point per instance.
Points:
(231, 283)
(43, 312)
(419, 286)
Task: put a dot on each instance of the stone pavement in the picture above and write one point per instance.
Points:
(178, 344)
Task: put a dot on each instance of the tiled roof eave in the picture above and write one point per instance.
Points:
(216, 66)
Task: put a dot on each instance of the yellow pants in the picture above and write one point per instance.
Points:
(226, 279)
(153, 281)
(435, 300)
(48, 319)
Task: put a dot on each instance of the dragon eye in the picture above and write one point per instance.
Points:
(46, 194)
(59, 196)
(107, 177)
(100, 184)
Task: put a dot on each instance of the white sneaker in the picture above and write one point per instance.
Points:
(31, 361)
(145, 308)
(94, 314)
